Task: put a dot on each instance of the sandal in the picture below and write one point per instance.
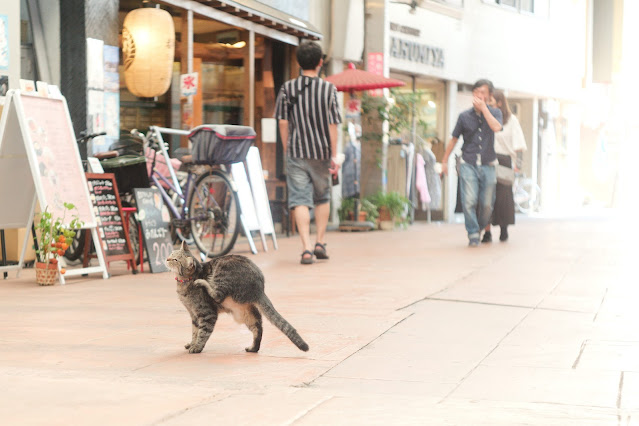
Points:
(320, 251)
(306, 260)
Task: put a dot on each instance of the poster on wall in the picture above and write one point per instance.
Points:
(95, 63)
(4, 85)
(111, 96)
(4, 42)
(95, 120)
(111, 62)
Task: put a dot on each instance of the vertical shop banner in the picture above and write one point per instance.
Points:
(95, 64)
(376, 66)
(111, 96)
(95, 93)
(4, 42)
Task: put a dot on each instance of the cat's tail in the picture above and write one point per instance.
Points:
(278, 321)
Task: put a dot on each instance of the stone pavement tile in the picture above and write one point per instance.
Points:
(416, 410)
(380, 367)
(435, 388)
(439, 344)
(498, 285)
(40, 400)
(549, 355)
(548, 385)
(629, 398)
(245, 370)
(542, 327)
(609, 355)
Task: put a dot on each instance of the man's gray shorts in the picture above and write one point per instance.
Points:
(308, 182)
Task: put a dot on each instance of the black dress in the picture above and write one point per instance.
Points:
(504, 209)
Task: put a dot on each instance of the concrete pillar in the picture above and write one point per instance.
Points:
(79, 20)
(450, 182)
(374, 141)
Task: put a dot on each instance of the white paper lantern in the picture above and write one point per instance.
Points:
(148, 47)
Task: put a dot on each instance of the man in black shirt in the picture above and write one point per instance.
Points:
(308, 114)
(477, 175)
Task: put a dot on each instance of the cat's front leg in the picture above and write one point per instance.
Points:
(193, 336)
(211, 290)
(205, 327)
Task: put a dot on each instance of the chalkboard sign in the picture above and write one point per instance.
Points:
(114, 235)
(155, 227)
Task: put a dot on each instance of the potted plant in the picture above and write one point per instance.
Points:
(53, 235)
(367, 210)
(393, 209)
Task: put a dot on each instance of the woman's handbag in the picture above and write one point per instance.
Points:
(505, 175)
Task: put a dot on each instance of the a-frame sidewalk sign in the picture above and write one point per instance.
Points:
(40, 161)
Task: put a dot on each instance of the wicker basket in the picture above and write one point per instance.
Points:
(46, 274)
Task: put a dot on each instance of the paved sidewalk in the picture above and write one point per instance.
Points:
(405, 327)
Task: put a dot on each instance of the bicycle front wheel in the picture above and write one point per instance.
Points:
(214, 214)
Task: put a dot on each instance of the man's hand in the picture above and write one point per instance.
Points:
(479, 104)
(334, 167)
(444, 168)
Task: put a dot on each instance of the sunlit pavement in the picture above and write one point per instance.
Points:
(405, 327)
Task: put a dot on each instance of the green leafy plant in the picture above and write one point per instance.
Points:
(347, 207)
(396, 204)
(54, 235)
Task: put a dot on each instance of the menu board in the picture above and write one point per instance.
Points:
(56, 152)
(155, 227)
(114, 237)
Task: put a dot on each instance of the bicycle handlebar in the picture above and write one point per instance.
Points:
(83, 138)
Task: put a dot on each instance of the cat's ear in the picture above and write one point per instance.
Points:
(185, 247)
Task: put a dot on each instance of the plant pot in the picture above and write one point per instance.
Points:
(386, 225)
(362, 216)
(384, 214)
(46, 273)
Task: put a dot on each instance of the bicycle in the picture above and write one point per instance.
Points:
(205, 206)
(526, 193)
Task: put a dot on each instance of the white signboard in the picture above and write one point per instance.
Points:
(39, 157)
(248, 216)
(260, 195)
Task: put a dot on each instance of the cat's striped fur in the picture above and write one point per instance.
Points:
(232, 284)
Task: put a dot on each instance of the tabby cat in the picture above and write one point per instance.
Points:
(231, 284)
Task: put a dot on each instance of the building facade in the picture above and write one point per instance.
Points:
(535, 52)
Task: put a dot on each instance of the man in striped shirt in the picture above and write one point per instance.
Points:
(308, 115)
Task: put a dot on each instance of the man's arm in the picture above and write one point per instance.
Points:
(332, 131)
(493, 123)
(283, 124)
(449, 149)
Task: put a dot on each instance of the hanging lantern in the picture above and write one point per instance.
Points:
(148, 47)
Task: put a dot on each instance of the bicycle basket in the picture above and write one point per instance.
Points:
(129, 170)
(221, 144)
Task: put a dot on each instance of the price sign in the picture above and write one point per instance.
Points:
(155, 227)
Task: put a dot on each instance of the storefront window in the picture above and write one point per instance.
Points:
(222, 93)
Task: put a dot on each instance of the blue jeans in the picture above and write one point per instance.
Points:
(478, 192)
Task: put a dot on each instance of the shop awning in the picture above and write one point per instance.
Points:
(264, 15)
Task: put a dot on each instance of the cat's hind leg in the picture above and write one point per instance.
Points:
(253, 321)
(205, 327)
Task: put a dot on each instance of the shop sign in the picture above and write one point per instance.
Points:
(376, 66)
(417, 52)
(188, 84)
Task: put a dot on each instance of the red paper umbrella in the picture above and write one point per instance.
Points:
(354, 79)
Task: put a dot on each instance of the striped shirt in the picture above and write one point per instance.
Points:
(310, 106)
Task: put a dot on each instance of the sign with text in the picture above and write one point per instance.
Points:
(155, 227)
(39, 160)
(114, 235)
(188, 84)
